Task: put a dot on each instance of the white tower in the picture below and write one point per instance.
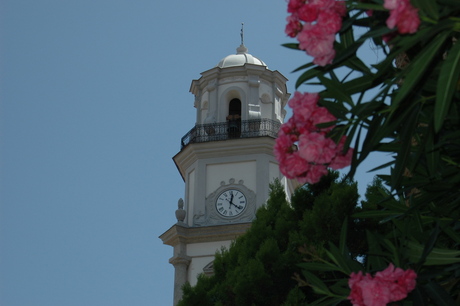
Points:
(226, 160)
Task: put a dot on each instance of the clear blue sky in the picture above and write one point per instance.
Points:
(94, 98)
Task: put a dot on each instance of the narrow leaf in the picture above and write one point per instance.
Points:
(447, 85)
(416, 70)
(438, 294)
(294, 46)
(337, 89)
(316, 283)
(429, 8)
(343, 236)
(315, 266)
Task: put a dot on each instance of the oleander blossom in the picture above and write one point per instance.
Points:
(390, 285)
(303, 149)
(315, 24)
(403, 16)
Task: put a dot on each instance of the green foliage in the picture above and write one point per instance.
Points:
(259, 267)
(407, 104)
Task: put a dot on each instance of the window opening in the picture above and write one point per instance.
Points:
(234, 118)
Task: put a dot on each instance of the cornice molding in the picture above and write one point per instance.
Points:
(183, 234)
(232, 147)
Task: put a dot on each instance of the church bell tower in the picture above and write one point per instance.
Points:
(226, 160)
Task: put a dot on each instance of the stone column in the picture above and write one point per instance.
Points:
(180, 264)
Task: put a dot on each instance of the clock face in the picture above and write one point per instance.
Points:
(231, 203)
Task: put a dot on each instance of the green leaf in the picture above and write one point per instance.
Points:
(366, 6)
(428, 7)
(343, 236)
(337, 109)
(451, 233)
(308, 75)
(375, 249)
(343, 261)
(346, 37)
(429, 245)
(315, 266)
(432, 154)
(308, 65)
(377, 214)
(454, 3)
(360, 84)
(327, 301)
(294, 46)
(345, 53)
(416, 70)
(316, 283)
(438, 294)
(437, 256)
(410, 117)
(394, 250)
(336, 89)
(357, 64)
(447, 85)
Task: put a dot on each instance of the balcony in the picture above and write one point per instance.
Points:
(231, 130)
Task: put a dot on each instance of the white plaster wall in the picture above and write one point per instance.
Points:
(202, 254)
(196, 267)
(190, 196)
(265, 108)
(278, 109)
(245, 171)
(274, 171)
(225, 96)
(206, 248)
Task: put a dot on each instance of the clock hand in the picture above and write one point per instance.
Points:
(237, 206)
(231, 199)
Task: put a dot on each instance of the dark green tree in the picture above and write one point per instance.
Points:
(259, 267)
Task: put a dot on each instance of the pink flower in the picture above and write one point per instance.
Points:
(316, 148)
(302, 149)
(402, 15)
(293, 166)
(311, 146)
(294, 5)
(399, 282)
(308, 12)
(325, 59)
(283, 145)
(356, 282)
(340, 8)
(315, 173)
(342, 160)
(293, 27)
(330, 21)
(322, 115)
(391, 4)
(408, 21)
(375, 293)
(315, 40)
(315, 23)
(303, 105)
(389, 285)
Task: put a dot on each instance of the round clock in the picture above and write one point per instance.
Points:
(231, 203)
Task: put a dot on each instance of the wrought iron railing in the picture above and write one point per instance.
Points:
(231, 130)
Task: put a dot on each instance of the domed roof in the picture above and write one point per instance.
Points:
(239, 59)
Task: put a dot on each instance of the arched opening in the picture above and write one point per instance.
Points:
(234, 118)
(234, 108)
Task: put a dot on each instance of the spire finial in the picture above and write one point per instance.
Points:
(242, 34)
